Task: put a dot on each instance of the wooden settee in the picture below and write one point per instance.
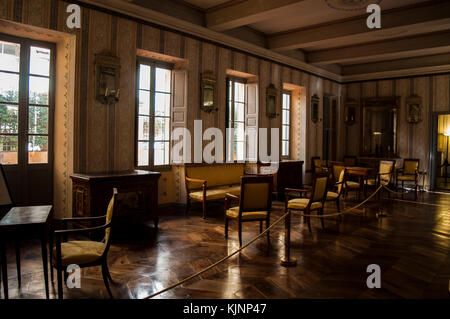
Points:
(210, 182)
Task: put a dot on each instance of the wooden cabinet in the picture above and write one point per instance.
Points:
(137, 198)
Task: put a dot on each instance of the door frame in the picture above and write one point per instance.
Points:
(23, 166)
(433, 147)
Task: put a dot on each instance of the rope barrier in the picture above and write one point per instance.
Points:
(345, 211)
(401, 193)
(218, 262)
(251, 242)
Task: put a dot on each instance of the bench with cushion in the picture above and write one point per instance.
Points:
(210, 182)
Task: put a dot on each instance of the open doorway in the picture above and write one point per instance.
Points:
(441, 152)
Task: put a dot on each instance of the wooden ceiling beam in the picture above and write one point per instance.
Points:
(393, 22)
(242, 13)
(392, 48)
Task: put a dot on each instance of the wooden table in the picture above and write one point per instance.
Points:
(363, 174)
(29, 222)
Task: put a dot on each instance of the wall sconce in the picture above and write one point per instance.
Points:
(107, 78)
(271, 101)
(208, 87)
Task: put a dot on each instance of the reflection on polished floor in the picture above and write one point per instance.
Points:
(411, 245)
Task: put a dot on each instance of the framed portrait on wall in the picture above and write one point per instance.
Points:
(414, 109)
(350, 111)
(208, 87)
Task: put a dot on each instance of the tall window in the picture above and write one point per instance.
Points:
(286, 125)
(153, 114)
(25, 101)
(236, 116)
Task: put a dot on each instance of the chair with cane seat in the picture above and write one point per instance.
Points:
(84, 253)
(255, 203)
(315, 202)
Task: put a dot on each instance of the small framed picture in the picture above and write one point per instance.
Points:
(414, 109)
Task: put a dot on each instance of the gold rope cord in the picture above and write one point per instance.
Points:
(252, 241)
(400, 193)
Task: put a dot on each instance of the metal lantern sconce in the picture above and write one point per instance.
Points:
(107, 78)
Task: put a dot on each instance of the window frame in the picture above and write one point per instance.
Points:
(23, 104)
(151, 161)
(234, 79)
(289, 125)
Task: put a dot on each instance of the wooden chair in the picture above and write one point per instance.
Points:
(350, 161)
(314, 203)
(255, 203)
(335, 196)
(408, 173)
(86, 253)
(383, 176)
(317, 165)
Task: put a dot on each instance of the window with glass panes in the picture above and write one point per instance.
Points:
(236, 116)
(286, 124)
(153, 114)
(25, 103)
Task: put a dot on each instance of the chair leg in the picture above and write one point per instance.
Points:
(105, 278)
(260, 226)
(19, 275)
(268, 232)
(240, 233)
(226, 227)
(204, 209)
(108, 275)
(188, 205)
(60, 284)
(338, 206)
(322, 219)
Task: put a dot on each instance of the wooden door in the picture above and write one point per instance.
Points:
(26, 118)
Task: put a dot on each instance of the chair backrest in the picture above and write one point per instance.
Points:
(385, 170)
(341, 180)
(5, 195)
(256, 193)
(316, 164)
(410, 166)
(319, 187)
(337, 169)
(214, 174)
(349, 161)
(110, 212)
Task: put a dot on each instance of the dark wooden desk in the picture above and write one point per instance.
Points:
(26, 222)
(137, 198)
(289, 174)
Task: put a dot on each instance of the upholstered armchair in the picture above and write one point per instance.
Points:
(255, 203)
(408, 173)
(315, 202)
(84, 253)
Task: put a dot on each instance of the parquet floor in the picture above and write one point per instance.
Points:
(411, 245)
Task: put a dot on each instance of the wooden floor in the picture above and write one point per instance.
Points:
(411, 245)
